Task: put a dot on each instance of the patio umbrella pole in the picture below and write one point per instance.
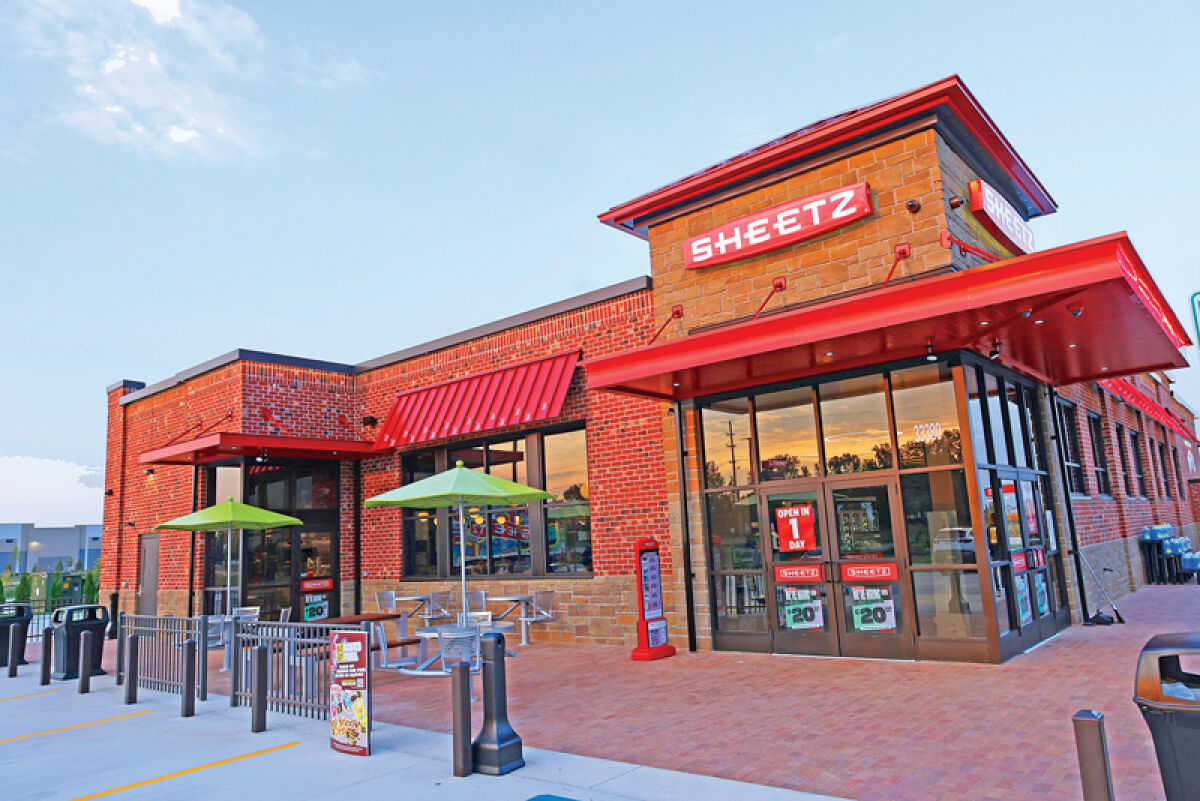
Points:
(229, 570)
(462, 556)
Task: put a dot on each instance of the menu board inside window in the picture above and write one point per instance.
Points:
(800, 608)
(871, 609)
(1021, 592)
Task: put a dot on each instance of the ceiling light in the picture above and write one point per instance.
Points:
(1038, 322)
(994, 353)
(1104, 369)
(149, 471)
(1073, 345)
(985, 322)
(930, 356)
(828, 354)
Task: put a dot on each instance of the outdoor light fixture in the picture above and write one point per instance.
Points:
(1026, 312)
(1075, 309)
(985, 322)
(261, 458)
(108, 492)
(1073, 345)
(930, 356)
(149, 471)
(370, 421)
(994, 353)
(956, 201)
(828, 354)
(913, 206)
(1038, 322)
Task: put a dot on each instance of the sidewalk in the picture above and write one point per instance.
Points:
(86, 746)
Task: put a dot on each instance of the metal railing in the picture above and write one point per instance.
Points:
(160, 651)
(43, 610)
(297, 665)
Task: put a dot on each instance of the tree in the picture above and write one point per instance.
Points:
(2, 598)
(24, 588)
(58, 567)
(14, 559)
(54, 585)
(91, 586)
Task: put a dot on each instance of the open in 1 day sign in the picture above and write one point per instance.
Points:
(794, 525)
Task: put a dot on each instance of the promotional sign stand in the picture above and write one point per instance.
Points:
(350, 692)
(651, 625)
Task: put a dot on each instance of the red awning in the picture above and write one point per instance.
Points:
(214, 447)
(509, 396)
(1079, 312)
(1135, 397)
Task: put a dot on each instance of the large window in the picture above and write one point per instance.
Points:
(1163, 473)
(1123, 455)
(854, 424)
(787, 435)
(1139, 467)
(927, 429)
(1072, 456)
(553, 537)
(1096, 431)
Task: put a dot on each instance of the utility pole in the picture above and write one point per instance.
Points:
(732, 454)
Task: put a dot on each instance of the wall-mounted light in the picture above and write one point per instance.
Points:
(1075, 309)
(913, 206)
(370, 421)
(994, 353)
(261, 458)
(108, 492)
(956, 201)
(930, 356)
(149, 471)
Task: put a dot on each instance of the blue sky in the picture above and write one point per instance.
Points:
(340, 180)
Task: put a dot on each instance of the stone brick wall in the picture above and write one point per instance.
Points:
(849, 258)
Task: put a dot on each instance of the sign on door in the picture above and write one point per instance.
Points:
(794, 525)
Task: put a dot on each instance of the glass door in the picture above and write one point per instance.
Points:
(800, 601)
(871, 594)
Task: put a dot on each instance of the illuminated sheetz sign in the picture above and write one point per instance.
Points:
(779, 226)
(1000, 219)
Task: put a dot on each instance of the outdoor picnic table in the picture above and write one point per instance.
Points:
(419, 600)
(523, 602)
(366, 617)
(431, 633)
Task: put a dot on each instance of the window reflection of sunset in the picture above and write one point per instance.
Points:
(566, 462)
(854, 419)
(787, 429)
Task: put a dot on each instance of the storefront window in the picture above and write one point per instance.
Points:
(1000, 596)
(507, 459)
(937, 518)
(726, 431)
(475, 543)
(565, 456)
(991, 522)
(1015, 419)
(1012, 515)
(854, 423)
(568, 539)
(979, 441)
(416, 466)
(733, 531)
(1033, 429)
(741, 602)
(317, 489)
(795, 525)
(420, 543)
(996, 419)
(316, 554)
(787, 435)
(1033, 523)
(949, 603)
(927, 428)
(568, 516)
(863, 518)
(474, 457)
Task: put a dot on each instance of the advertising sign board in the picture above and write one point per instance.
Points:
(349, 692)
(1000, 218)
(651, 625)
(794, 525)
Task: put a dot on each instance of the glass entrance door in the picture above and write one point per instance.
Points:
(836, 575)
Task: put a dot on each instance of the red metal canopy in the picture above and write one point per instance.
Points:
(1079, 312)
(222, 445)
(1134, 396)
(522, 393)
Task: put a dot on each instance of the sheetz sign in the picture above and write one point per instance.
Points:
(779, 226)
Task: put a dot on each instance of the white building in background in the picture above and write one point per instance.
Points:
(24, 546)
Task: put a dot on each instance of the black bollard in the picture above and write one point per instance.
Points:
(14, 658)
(112, 616)
(188, 704)
(120, 628)
(85, 662)
(258, 689)
(497, 749)
(131, 669)
(460, 703)
(47, 648)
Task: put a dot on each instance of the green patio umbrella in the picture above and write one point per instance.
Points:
(459, 487)
(227, 516)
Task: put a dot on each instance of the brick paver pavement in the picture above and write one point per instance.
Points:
(863, 729)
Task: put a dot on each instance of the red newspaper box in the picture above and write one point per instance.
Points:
(651, 625)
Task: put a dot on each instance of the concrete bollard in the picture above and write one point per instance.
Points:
(1092, 749)
(131, 669)
(47, 650)
(14, 658)
(460, 702)
(497, 749)
(85, 662)
(258, 689)
(188, 703)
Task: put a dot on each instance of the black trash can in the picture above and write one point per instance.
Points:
(20, 614)
(68, 623)
(1170, 701)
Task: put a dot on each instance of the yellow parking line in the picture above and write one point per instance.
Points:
(76, 726)
(30, 695)
(185, 772)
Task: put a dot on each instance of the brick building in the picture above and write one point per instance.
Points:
(852, 402)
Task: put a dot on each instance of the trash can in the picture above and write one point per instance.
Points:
(1152, 541)
(68, 623)
(20, 614)
(1170, 702)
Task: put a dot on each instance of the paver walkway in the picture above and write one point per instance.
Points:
(864, 729)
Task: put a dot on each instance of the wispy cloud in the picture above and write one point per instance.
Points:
(830, 44)
(49, 492)
(147, 74)
(328, 71)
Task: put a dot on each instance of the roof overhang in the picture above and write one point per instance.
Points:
(224, 445)
(1079, 312)
(949, 100)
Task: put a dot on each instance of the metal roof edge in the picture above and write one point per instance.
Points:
(238, 354)
(638, 284)
(125, 383)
